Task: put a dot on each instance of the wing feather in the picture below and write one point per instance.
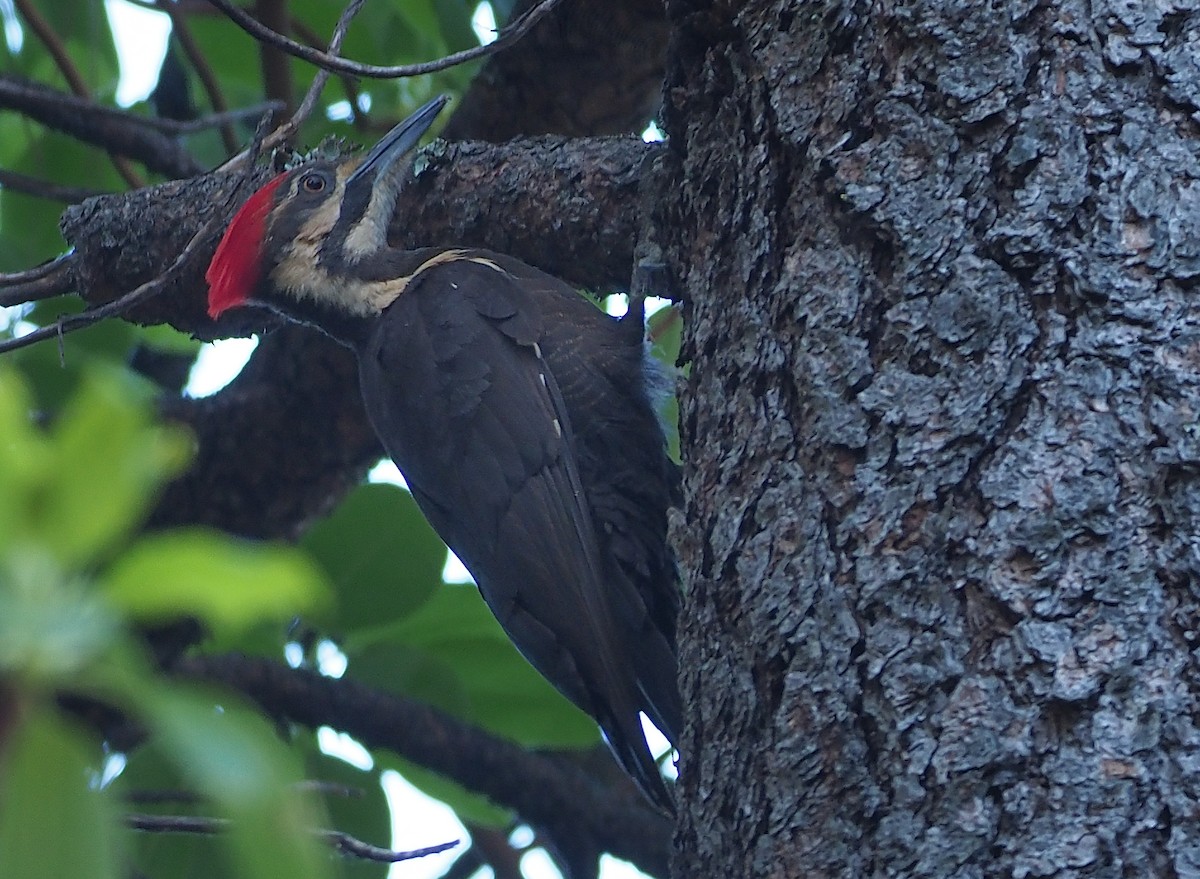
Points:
(469, 408)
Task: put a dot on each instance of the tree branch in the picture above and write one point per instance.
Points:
(569, 207)
(53, 279)
(335, 64)
(44, 188)
(182, 31)
(50, 39)
(336, 839)
(276, 67)
(548, 792)
(285, 132)
(128, 302)
(114, 130)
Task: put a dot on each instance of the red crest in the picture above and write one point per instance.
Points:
(236, 267)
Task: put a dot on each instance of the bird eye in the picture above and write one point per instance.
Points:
(313, 183)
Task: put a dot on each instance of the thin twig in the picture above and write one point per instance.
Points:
(58, 52)
(53, 283)
(287, 130)
(44, 188)
(318, 84)
(176, 823)
(347, 844)
(349, 83)
(657, 329)
(37, 272)
(334, 64)
(212, 120)
(212, 87)
(116, 131)
(547, 791)
(336, 839)
(71, 322)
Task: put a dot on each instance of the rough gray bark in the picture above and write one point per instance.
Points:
(943, 470)
(592, 67)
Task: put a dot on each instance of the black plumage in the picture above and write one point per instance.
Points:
(517, 450)
(519, 413)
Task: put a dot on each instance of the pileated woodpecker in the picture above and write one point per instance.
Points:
(519, 413)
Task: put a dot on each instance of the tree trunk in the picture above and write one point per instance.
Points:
(943, 469)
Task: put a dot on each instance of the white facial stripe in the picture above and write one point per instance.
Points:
(369, 235)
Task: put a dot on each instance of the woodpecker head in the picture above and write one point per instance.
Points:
(302, 244)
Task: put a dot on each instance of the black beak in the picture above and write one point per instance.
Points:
(399, 141)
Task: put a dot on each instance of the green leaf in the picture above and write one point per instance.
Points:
(29, 224)
(456, 633)
(111, 459)
(399, 668)
(665, 327)
(381, 33)
(503, 10)
(55, 371)
(228, 583)
(25, 459)
(51, 626)
(454, 22)
(235, 54)
(383, 559)
(55, 375)
(85, 30)
(82, 28)
(54, 824)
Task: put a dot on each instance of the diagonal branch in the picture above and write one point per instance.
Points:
(23, 183)
(548, 792)
(36, 273)
(202, 238)
(115, 308)
(38, 24)
(182, 31)
(53, 279)
(284, 133)
(117, 131)
(335, 64)
(338, 840)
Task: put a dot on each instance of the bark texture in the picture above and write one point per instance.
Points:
(943, 470)
(593, 67)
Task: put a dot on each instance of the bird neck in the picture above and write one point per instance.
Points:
(345, 300)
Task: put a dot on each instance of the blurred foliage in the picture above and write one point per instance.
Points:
(75, 576)
(82, 459)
